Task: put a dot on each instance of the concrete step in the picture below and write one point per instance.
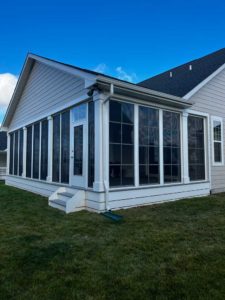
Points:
(60, 204)
(66, 194)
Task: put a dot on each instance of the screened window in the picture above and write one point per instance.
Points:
(196, 148)
(61, 147)
(78, 150)
(65, 147)
(148, 145)
(217, 141)
(16, 139)
(29, 151)
(171, 147)
(36, 149)
(121, 144)
(20, 152)
(91, 143)
(44, 150)
(11, 153)
(56, 148)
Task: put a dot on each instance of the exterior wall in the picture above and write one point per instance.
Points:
(47, 90)
(211, 100)
(119, 199)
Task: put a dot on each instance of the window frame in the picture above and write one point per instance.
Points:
(213, 141)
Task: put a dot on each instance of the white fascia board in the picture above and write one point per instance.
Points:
(204, 82)
(144, 91)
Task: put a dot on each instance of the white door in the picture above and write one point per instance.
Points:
(78, 161)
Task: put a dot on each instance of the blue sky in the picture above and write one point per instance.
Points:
(128, 39)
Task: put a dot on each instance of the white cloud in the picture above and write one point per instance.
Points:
(101, 68)
(121, 74)
(7, 85)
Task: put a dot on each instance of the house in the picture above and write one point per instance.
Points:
(3, 154)
(91, 141)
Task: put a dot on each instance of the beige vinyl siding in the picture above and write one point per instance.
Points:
(211, 99)
(47, 88)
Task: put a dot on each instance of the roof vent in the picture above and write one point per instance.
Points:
(171, 74)
(190, 67)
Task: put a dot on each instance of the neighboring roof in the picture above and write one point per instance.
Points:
(3, 140)
(181, 80)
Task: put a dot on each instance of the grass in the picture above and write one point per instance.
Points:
(168, 251)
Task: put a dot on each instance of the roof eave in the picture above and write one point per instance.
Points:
(149, 94)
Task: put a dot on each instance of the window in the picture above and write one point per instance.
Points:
(29, 151)
(11, 153)
(79, 113)
(61, 147)
(65, 147)
(44, 150)
(56, 148)
(148, 145)
(91, 143)
(217, 135)
(78, 150)
(121, 144)
(20, 152)
(36, 149)
(196, 151)
(171, 147)
(16, 139)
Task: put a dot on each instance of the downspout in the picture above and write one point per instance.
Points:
(106, 182)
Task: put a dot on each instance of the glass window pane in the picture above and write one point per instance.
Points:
(44, 149)
(115, 154)
(65, 147)
(154, 174)
(143, 155)
(115, 111)
(36, 148)
(115, 175)
(127, 134)
(127, 175)
(153, 155)
(79, 113)
(143, 135)
(78, 150)
(29, 151)
(56, 148)
(167, 173)
(114, 132)
(143, 174)
(127, 113)
(217, 152)
(127, 155)
(91, 143)
(20, 152)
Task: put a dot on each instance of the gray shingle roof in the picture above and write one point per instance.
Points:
(183, 79)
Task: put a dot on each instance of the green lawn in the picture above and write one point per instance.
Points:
(169, 251)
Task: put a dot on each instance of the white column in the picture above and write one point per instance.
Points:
(24, 151)
(185, 147)
(98, 99)
(50, 147)
(8, 153)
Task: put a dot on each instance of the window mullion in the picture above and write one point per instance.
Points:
(161, 164)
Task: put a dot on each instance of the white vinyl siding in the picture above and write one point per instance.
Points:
(210, 99)
(46, 90)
